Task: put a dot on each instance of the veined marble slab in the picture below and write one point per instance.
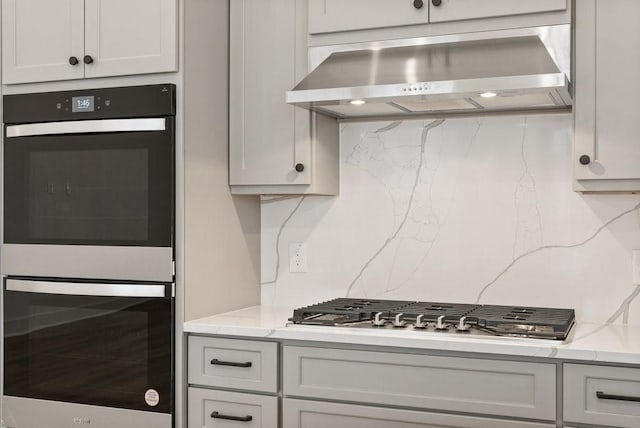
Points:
(601, 343)
(467, 209)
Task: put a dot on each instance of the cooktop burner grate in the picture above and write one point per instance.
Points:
(523, 321)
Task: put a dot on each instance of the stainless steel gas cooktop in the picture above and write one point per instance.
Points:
(519, 321)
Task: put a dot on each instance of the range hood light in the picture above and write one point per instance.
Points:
(488, 94)
(357, 102)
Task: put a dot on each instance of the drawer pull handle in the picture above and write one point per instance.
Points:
(216, 415)
(217, 362)
(604, 396)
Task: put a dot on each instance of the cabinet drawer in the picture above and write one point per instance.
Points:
(581, 403)
(508, 388)
(221, 409)
(229, 363)
(312, 414)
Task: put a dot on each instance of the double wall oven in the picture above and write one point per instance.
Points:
(88, 258)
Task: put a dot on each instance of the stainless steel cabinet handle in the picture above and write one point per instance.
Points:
(217, 362)
(216, 415)
(604, 396)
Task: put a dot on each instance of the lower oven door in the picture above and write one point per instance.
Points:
(85, 353)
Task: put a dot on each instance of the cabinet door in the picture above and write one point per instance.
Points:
(326, 16)
(131, 37)
(453, 10)
(38, 39)
(607, 90)
(268, 137)
(313, 414)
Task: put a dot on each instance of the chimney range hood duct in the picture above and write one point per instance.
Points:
(520, 69)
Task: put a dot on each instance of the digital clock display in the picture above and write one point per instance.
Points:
(80, 104)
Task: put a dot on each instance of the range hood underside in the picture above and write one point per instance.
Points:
(538, 92)
(507, 71)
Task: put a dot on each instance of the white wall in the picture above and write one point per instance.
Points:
(464, 210)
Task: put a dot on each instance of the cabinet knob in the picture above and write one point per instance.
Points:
(299, 167)
(418, 4)
(73, 60)
(88, 59)
(436, 3)
(585, 160)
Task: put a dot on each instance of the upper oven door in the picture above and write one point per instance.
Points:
(102, 344)
(104, 189)
(96, 182)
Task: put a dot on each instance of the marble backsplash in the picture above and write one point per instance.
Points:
(464, 210)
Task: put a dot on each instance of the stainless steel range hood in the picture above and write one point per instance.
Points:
(492, 71)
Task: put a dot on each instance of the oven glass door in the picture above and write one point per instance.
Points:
(65, 185)
(108, 351)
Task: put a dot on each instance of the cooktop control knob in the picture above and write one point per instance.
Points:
(440, 325)
(398, 321)
(419, 323)
(378, 321)
(462, 325)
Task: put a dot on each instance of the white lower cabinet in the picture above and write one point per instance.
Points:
(510, 389)
(602, 396)
(222, 409)
(217, 365)
(233, 364)
(314, 414)
(266, 384)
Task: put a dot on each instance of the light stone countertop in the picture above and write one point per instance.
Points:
(607, 343)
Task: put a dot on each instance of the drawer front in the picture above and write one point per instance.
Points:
(507, 388)
(617, 407)
(312, 414)
(220, 409)
(229, 363)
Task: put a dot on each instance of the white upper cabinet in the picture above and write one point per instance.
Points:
(326, 16)
(454, 10)
(130, 36)
(275, 148)
(48, 40)
(606, 108)
(40, 38)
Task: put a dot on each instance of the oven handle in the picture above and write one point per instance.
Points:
(86, 127)
(87, 289)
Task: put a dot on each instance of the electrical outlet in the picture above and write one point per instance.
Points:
(298, 262)
(635, 266)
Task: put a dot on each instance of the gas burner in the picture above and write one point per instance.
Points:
(544, 323)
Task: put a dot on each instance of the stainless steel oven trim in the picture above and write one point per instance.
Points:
(18, 412)
(86, 289)
(86, 126)
(119, 263)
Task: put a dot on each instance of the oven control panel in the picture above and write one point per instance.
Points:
(105, 103)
